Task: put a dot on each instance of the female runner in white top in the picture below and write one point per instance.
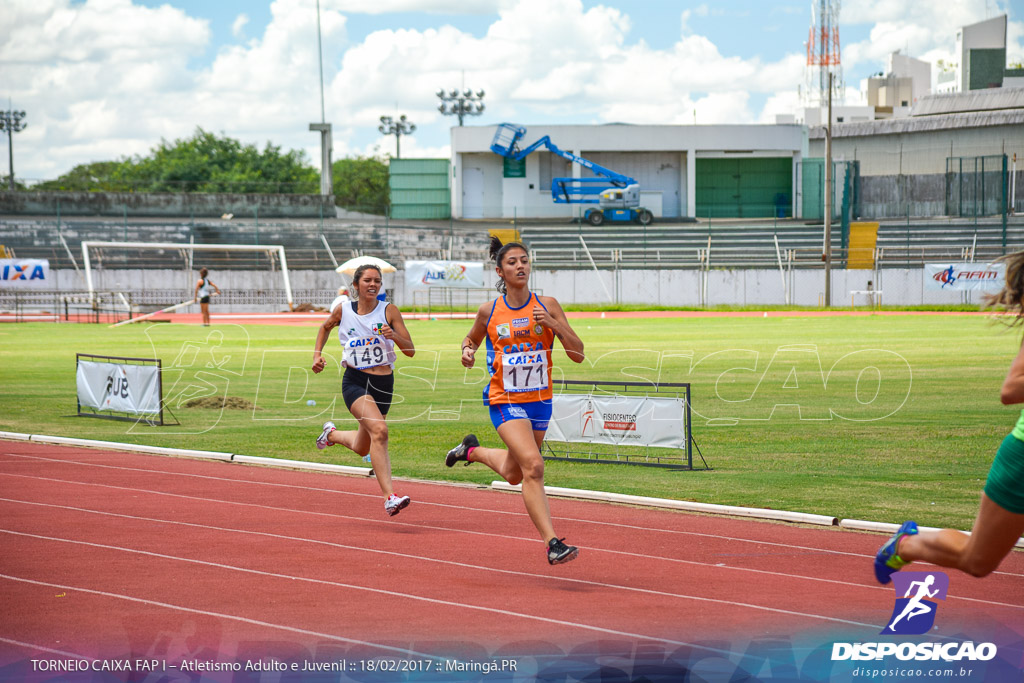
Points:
(369, 330)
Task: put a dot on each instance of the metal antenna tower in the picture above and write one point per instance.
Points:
(823, 54)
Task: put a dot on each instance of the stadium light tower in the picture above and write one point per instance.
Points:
(461, 104)
(11, 121)
(398, 128)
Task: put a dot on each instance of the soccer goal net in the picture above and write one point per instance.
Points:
(168, 270)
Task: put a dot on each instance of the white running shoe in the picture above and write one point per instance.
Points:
(321, 441)
(394, 504)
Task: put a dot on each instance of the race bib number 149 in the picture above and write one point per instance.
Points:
(365, 352)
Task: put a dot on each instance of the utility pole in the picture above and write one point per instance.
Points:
(827, 256)
(324, 128)
(11, 121)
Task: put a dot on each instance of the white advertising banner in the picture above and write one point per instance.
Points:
(964, 277)
(618, 420)
(133, 389)
(421, 274)
(24, 272)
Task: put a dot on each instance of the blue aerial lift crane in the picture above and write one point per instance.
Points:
(617, 195)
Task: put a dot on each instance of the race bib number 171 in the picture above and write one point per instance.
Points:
(524, 371)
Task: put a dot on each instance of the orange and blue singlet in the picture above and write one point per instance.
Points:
(519, 362)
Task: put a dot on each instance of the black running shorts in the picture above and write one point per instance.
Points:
(355, 384)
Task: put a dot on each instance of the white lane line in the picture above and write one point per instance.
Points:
(481, 567)
(787, 546)
(378, 591)
(231, 617)
(337, 516)
(40, 648)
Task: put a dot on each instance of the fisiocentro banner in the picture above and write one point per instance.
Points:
(421, 274)
(618, 420)
(24, 272)
(964, 277)
(125, 388)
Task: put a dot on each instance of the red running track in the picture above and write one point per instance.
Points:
(107, 553)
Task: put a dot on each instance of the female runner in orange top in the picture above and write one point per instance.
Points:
(519, 328)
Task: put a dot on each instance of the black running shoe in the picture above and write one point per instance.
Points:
(560, 553)
(461, 452)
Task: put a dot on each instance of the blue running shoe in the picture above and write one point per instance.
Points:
(886, 560)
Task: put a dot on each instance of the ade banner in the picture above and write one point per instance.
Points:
(618, 420)
(964, 277)
(125, 388)
(421, 274)
(24, 272)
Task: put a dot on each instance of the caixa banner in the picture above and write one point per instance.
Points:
(964, 277)
(421, 274)
(24, 272)
(618, 420)
(118, 385)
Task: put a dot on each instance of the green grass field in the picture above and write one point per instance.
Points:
(879, 418)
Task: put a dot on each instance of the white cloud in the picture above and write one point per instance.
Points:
(238, 27)
(429, 6)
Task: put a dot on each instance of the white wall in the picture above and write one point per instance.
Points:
(682, 288)
(642, 150)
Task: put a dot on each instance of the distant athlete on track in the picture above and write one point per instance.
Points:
(369, 330)
(519, 328)
(203, 294)
(1000, 520)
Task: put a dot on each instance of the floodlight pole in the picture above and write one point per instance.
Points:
(398, 128)
(827, 256)
(461, 104)
(11, 121)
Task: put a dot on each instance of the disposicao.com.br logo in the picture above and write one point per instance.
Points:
(914, 613)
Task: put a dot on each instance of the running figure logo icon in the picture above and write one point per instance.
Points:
(946, 277)
(915, 608)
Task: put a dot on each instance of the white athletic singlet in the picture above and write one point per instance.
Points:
(361, 341)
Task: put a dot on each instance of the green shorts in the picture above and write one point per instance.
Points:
(1005, 484)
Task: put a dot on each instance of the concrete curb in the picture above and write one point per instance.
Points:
(302, 465)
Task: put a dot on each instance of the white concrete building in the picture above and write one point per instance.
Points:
(981, 48)
(917, 70)
(663, 159)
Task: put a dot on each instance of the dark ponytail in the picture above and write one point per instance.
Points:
(497, 251)
(1010, 299)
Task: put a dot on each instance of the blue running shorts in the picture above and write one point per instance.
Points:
(537, 412)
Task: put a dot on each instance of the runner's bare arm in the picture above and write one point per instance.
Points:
(321, 338)
(471, 342)
(1013, 386)
(399, 333)
(554, 317)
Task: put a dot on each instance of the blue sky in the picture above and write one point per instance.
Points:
(103, 79)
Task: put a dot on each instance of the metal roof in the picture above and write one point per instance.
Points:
(919, 124)
(990, 99)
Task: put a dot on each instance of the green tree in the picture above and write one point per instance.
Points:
(204, 162)
(361, 184)
(99, 176)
